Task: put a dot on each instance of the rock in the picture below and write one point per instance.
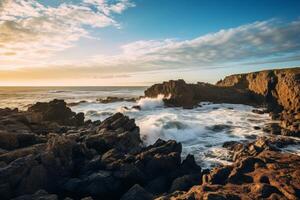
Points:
(39, 195)
(252, 177)
(277, 90)
(55, 111)
(264, 190)
(180, 94)
(219, 127)
(10, 141)
(115, 99)
(257, 111)
(137, 193)
(185, 182)
(117, 131)
(158, 185)
(218, 175)
(18, 153)
(136, 107)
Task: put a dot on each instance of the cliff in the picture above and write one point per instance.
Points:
(277, 90)
(181, 94)
(281, 87)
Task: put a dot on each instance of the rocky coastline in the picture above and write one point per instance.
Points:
(51, 152)
(276, 90)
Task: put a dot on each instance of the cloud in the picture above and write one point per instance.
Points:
(261, 42)
(30, 30)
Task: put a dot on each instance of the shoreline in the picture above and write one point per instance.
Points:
(51, 152)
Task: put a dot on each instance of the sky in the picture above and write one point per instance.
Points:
(141, 42)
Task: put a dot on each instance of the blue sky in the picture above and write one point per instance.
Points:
(140, 42)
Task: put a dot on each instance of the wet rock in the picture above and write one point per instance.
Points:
(137, 107)
(258, 111)
(219, 128)
(76, 103)
(115, 99)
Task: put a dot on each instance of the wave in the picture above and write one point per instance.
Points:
(57, 91)
(202, 130)
(148, 103)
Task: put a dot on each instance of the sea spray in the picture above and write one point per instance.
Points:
(151, 103)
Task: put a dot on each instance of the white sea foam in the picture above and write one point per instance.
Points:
(151, 103)
(202, 130)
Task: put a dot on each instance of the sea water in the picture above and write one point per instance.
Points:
(202, 130)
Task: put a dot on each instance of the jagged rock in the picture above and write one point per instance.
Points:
(268, 175)
(137, 193)
(180, 94)
(278, 90)
(117, 131)
(54, 111)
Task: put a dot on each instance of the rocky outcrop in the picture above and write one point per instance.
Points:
(99, 160)
(180, 94)
(267, 173)
(54, 111)
(280, 90)
(277, 90)
(115, 99)
(278, 87)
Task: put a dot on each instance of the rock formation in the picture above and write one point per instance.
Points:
(280, 90)
(100, 160)
(277, 90)
(180, 94)
(266, 174)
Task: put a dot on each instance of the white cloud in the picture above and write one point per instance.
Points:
(30, 30)
(35, 30)
(259, 41)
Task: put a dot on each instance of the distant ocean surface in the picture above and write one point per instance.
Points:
(202, 130)
(21, 97)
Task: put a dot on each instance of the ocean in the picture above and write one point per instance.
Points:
(202, 130)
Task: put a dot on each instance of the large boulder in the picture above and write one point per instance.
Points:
(117, 131)
(55, 111)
